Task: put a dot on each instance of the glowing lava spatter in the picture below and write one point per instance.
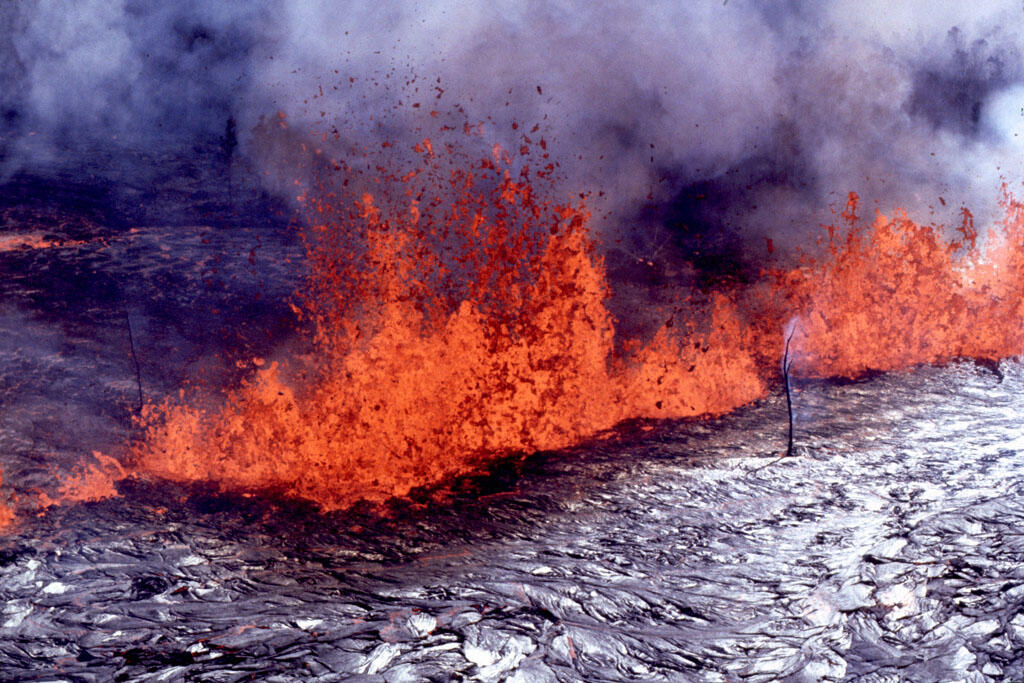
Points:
(457, 326)
(6, 513)
(458, 315)
(894, 294)
(86, 483)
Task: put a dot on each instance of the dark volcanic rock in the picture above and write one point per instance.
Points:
(890, 550)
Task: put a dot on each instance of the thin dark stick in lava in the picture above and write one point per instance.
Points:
(786, 365)
(135, 358)
(789, 397)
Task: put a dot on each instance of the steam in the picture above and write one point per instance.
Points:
(87, 81)
(708, 125)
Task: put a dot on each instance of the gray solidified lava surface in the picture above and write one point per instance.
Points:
(891, 549)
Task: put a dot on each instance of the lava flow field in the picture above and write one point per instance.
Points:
(511, 343)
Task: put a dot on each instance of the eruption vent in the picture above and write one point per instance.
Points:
(457, 305)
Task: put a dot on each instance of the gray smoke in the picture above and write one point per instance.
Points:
(92, 81)
(708, 125)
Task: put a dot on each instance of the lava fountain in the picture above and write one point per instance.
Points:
(460, 319)
(457, 313)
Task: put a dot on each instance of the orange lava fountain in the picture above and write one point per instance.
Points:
(897, 294)
(457, 315)
(6, 513)
(458, 327)
(87, 483)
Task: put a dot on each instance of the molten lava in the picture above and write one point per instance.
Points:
(896, 294)
(87, 483)
(464, 317)
(457, 327)
(6, 513)
(456, 314)
(34, 240)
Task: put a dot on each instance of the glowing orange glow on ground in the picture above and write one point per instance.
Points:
(87, 483)
(33, 240)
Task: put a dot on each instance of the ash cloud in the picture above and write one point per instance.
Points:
(709, 126)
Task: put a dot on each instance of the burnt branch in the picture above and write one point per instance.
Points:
(786, 364)
(135, 358)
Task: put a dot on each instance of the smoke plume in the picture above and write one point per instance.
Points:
(709, 126)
